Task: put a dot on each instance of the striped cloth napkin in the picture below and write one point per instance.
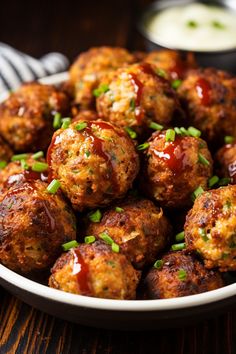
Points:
(17, 67)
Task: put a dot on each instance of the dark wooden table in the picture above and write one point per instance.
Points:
(38, 27)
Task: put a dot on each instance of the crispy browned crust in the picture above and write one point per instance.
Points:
(225, 161)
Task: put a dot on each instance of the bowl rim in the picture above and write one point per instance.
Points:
(160, 5)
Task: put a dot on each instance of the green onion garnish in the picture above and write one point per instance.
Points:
(39, 166)
(178, 131)
(57, 121)
(132, 104)
(24, 165)
(115, 247)
(19, 157)
(161, 72)
(178, 246)
(229, 139)
(119, 210)
(2, 164)
(71, 244)
(179, 237)
(131, 132)
(53, 187)
(184, 131)
(87, 153)
(182, 274)
(212, 181)
(192, 24)
(106, 238)
(103, 88)
(81, 126)
(218, 25)
(203, 234)
(155, 126)
(170, 135)
(143, 146)
(198, 191)
(158, 264)
(37, 155)
(176, 84)
(203, 160)
(224, 181)
(196, 133)
(95, 216)
(65, 123)
(89, 239)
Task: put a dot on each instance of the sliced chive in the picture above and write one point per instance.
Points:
(203, 160)
(179, 237)
(224, 181)
(158, 264)
(119, 210)
(24, 165)
(178, 246)
(192, 24)
(131, 132)
(213, 181)
(39, 166)
(87, 153)
(161, 72)
(115, 247)
(198, 191)
(143, 146)
(57, 121)
(184, 131)
(106, 238)
(53, 187)
(227, 206)
(71, 244)
(178, 131)
(2, 164)
(103, 88)
(170, 135)
(203, 234)
(182, 274)
(37, 155)
(95, 216)
(229, 139)
(65, 123)
(19, 157)
(196, 133)
(218, 25)
(81, 126)
(132, 104)
(89, 239)
(176, 84)
(155, 126)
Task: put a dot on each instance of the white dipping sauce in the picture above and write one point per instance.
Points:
(194, 27)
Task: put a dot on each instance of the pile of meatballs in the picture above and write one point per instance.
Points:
(121, 182)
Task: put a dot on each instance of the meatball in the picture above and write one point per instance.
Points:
(136, 96)
(94, 161)
(209, 97)
(210, 228)
(5, 151)
(172, 64)
(95, 270)
(172, 170)
(226, 162)
(92, 67)
(180, 274)
(27, 115)
(33, 226)
(86, 115)
(138, 226)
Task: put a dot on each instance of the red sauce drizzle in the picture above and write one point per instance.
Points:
(49, 157)
(138, 88)
(174, 155)
(177, 71)
(81, 270)
(203, 89)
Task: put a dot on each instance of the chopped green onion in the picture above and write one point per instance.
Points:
(170, 135)
(103, 88)
(39, 166)
(132, 104)
(218, 25)
(106, 238)
(71, 244)
(37, 155)
(203, 160)
(89, 239)
(192, 24)
(87, 153)
(184, 131)
(24, 165)
(158, 264)
(182, 274)
(2, 164)
(81, 126)
(53, 187)
(65, 123)
(178, 131)
(115, 247)
(95, 216)
(224, 181)
(213, 181)
(198, 191)
(143, 146)
(229, 139)
(176, 84)
(161, 73)
(57, 121)
(203, 234)
(178, 246)
(155, 126)
(19, 157)
(179, 237)
(131, 132)
(196, 133)
(119, 210)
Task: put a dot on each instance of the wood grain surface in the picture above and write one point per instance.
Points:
(38, 27)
